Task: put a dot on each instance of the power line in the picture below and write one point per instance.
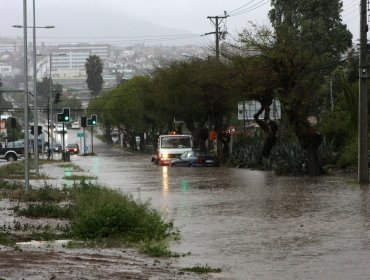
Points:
(251, 8)
(233, 11)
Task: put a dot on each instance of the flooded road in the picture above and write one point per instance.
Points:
(251, 224)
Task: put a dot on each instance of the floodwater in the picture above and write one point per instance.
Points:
(251, 224)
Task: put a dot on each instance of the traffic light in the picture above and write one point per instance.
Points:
(83, 121)
(66, 114)
(60, 117)
(63, 117)
(39, 130)
(93, 121)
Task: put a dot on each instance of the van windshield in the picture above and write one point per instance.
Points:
(176, 142)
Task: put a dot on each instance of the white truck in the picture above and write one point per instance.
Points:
(171, 146)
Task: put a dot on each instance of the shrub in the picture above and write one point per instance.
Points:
(104, 213)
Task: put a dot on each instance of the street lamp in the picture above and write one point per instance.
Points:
(35, 122)
(26, 136)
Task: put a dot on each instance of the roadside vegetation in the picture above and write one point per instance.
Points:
(85, 213)
(202, 269)
(304, 60)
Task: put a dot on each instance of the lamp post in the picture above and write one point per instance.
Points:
(35, 121)
(26, 148)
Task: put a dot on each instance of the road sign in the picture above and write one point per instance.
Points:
(231, 130)
(80, 134)
(86, 149)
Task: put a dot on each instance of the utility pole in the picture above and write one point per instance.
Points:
(26, 136)
(363, 169)
(35, 114)
(216, 20)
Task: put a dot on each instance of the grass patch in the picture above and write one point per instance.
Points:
(71, 166)
(5, 239)
(79, 177)
(15, 170)
(101, 213)
(202, 269)
(46, 210)
(46, 194)
(10, 170)
(96, 214)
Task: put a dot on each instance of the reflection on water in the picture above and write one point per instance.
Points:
(184, 185)
(165, 178)
(254, 225)
(96, 165)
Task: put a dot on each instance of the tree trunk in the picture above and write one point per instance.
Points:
(310, 140)
(270, 128)
(200, 135)
(108, 136)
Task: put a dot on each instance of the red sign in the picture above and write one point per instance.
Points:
(212, 135)
(231, 130)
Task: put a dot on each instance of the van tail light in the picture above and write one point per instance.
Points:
(201, 160)
(21, 151)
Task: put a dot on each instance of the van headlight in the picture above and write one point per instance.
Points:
(165, 155)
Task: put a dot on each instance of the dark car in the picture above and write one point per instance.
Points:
(56, 147)
(196, 158)
(73, 148)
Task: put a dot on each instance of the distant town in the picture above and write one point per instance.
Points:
(65, 63)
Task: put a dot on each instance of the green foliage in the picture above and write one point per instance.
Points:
(102, 213)
(77, 177)
(46, 210)
(246, 154)
(47, 193)
(349, 156)
(95, 213)
(291, 159)
(12, 169)
(336, 127)
(94, 70)
(202, 269)
(5, 239)
(156, 249)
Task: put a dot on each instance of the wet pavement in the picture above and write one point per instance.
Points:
(251, 224)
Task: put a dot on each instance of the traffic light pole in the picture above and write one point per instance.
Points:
(84, 141)
(63, 138)
(92, 141)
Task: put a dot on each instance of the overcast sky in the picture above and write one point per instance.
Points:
(130, 21)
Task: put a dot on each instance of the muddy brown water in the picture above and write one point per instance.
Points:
(251, 224)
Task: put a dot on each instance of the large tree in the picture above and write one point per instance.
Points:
(94, 70)
(306, 43)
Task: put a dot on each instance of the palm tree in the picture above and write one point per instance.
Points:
(94, 69)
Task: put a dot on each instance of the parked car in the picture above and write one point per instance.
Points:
(75, 125)
(195, 158)
(59, 128)
(56, 147)
(73, 148)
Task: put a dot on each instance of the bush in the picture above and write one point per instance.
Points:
(349, 156)
(105, 213)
